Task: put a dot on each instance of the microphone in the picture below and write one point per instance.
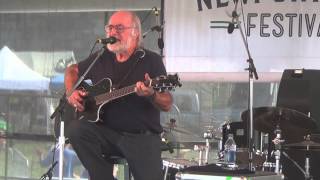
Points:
(155, 11)
(160, 39)
(231, 25)
(109, 40)
(160, 43)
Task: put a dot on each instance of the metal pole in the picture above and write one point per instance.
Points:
(252, 71)
(61, 143)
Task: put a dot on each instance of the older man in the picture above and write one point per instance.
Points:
(130, 125)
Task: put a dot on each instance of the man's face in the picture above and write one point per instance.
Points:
(121, 26)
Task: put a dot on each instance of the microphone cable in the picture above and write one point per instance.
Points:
(94, 45)
(244, 23)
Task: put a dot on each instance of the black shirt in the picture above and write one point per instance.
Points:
(130, 113)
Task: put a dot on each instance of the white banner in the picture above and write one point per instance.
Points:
(282, 34)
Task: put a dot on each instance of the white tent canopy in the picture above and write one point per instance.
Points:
(15, 75)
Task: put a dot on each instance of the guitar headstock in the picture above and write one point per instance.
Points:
(166, 83)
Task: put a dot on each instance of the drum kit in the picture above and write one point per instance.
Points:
(277, 130)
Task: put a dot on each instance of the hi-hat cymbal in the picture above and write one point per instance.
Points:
(291, 122)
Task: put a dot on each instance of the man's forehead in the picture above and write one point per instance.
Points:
(121, 18)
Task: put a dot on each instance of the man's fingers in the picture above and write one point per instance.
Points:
(76, 99)
(138, 88)
(146, 76)
(82, 93)
(143, 90)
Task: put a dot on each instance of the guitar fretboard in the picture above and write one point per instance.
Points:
(109, 96)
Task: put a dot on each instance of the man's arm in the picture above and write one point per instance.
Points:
(162, 100)
(70, 78)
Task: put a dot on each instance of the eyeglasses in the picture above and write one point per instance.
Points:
(119, 28)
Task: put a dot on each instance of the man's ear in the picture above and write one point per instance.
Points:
(134, 32)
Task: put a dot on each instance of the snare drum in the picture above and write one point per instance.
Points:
(172, 166)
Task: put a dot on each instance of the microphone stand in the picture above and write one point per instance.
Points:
(252, 72)
(154, 28)
(60, 108)
(48, 174)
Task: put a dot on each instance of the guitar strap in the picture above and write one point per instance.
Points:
(140, 57)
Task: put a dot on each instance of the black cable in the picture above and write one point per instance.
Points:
(93, 48)
(49, 173)
(244, 24)
(146, 16)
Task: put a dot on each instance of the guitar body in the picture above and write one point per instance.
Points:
(93, 111)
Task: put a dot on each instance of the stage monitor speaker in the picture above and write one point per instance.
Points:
(299, 89)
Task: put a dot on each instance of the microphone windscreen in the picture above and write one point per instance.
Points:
(230, 28)
(160, 43)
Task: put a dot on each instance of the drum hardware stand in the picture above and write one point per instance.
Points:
(60, 108)
(165, 173)
(201, 149)
(213, 131)
(277, 142)
(264, 145)
(252, 72)
(207, 135)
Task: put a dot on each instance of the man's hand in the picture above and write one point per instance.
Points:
(76, 99)
(162, 100)
(143, 90)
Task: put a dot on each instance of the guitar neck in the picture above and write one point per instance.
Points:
(115, 94)
(161, 83)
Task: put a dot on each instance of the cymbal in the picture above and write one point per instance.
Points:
(168, 127)
(316, 137)
(303, 145)
(291, 122)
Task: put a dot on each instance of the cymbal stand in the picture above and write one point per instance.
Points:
(307, 162)
(252, 73)
(277, 142)
(200, 148)
(305, 172)
(307, 165)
